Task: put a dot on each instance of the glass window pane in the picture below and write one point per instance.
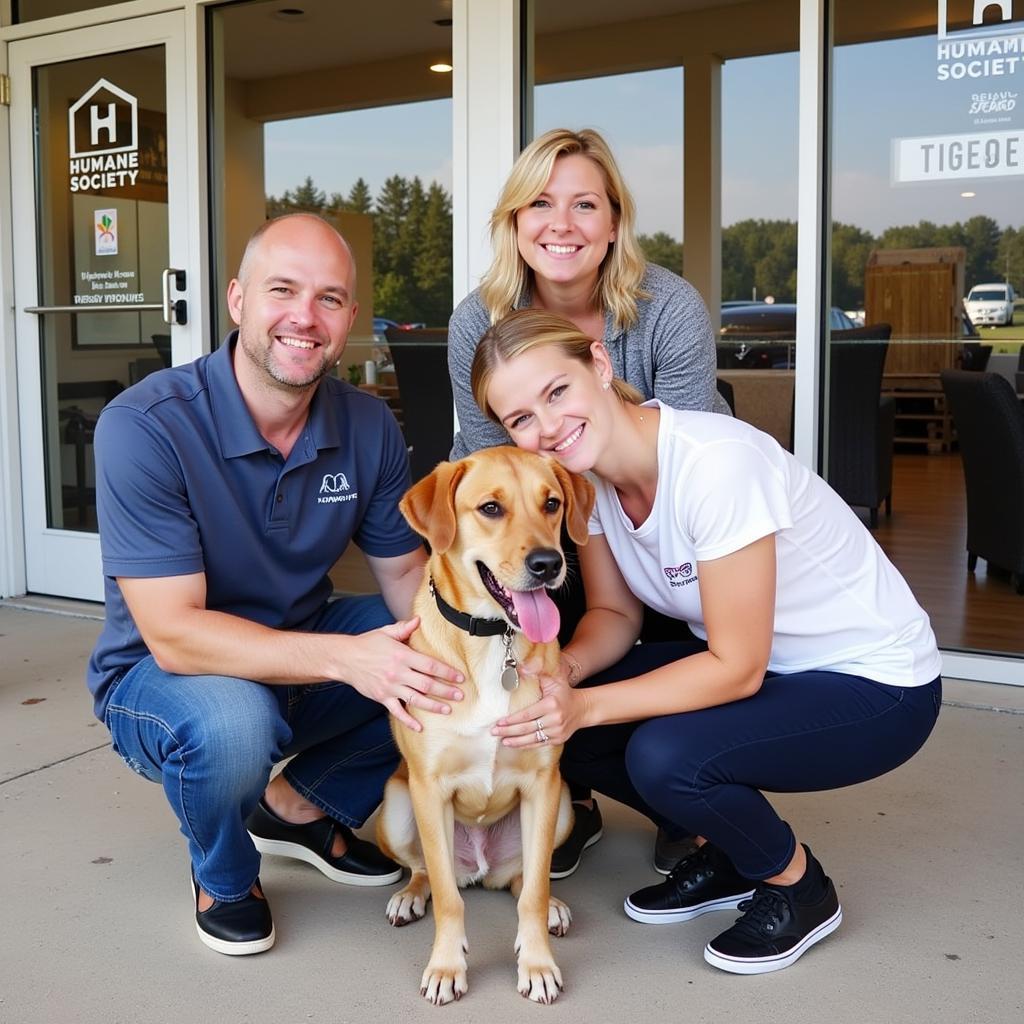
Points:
(757, 334)
(637, 74)
(361, 134)
(101, 222)
(927, 179)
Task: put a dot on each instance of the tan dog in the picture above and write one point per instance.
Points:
(462, 808)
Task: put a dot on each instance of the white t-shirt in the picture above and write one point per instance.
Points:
(840, 604)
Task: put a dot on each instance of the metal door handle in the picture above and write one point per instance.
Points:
(175, 310)
(143, 307)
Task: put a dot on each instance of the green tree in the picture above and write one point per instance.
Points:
(307, 197)
(981, 239)
(432, 268)
(759, 254)
(1010, 259)
(662, 249)
(851, 247)
(359, 198)
(389, 213)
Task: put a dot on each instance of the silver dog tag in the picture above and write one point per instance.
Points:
(509, 676)
(509, 673)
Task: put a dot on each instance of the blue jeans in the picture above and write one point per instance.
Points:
(211, 741)
(704, 771)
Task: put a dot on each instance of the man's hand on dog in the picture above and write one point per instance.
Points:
(560, 712)
(384, 668)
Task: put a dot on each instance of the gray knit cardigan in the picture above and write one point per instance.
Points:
(669, 353)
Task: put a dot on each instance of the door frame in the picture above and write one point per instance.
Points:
(61, 562)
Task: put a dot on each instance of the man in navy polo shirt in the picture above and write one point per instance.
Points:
(226, 490)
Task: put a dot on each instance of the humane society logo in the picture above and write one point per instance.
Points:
(679, 575)
(334, 488)
(983, 49)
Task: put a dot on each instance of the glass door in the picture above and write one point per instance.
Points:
(99, 181)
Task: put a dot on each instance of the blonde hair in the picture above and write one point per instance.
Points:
(524, 330)
(621, 271)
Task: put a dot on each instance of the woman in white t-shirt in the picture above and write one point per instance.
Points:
(816, 669)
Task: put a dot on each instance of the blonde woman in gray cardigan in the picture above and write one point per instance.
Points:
(564, 240)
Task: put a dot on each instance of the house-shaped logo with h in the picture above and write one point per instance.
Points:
(978, 28)
(104, 121)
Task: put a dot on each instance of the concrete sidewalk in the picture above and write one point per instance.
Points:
(98, 926)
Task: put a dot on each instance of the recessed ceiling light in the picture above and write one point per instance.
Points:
(968, 195)
(441, 68)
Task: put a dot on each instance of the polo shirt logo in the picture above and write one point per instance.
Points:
(334, 488)
(333, 483)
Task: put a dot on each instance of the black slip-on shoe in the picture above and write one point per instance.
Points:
(774, 931)
(669, 852)
(237, 929)
(361, 864)
(587, 829)
(698, 884)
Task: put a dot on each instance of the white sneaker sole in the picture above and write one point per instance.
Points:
(236, 948)
(675, 916)
(586, 846)
(282, 848)
(767, 964)
(232, 948)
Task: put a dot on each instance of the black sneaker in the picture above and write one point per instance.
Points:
(669, 852)
(774, 931)
(587, 829)
(238, 928)
(361, 864)
(698, 884)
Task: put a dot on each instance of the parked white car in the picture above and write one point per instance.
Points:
(990, 304)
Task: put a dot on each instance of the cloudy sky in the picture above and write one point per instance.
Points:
(883, 91)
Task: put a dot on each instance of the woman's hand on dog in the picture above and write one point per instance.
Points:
(382, 666)
(560, 712)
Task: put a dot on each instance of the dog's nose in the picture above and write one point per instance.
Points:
(544, 563)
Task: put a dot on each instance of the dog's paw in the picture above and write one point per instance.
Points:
(443, 984)
(539, 979)
(406, 906)
(559, 917)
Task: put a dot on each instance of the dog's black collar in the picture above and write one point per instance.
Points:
(470, 623)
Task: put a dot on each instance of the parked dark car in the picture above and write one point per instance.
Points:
(761, 335)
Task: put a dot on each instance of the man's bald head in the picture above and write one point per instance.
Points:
(269, 228)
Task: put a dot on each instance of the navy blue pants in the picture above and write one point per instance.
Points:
(704, 771)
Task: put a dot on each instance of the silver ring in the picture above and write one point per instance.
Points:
(542, 736)
(539, 722)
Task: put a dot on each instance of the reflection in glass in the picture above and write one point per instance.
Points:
(926, 190)
(101, 221)
(360, 133)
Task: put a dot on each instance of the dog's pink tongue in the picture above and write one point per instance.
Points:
(537, 614)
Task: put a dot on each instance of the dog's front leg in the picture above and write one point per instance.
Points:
(539, 976)
(445, 976)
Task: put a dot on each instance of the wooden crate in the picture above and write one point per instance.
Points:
(920, 293)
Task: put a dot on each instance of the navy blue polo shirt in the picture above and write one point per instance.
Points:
(185, 483)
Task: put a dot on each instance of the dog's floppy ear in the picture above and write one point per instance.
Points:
(578, 493)
(429, 505)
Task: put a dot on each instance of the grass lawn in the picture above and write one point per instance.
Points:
(1005, 339)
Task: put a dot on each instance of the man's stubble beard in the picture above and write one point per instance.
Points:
(261, 357)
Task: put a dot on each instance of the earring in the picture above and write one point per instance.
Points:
(606, 385)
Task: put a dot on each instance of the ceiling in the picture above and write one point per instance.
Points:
(260, 42)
